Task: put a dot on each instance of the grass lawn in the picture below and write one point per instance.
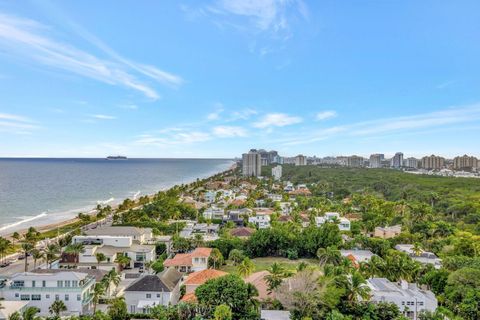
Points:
(265, 263)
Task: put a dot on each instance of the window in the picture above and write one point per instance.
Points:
(25, 297)
(36, 297)
(44, 283)
(17, 295)
(74, 283)
(67, 297)
(33, 283)
(403, 303)
(420, 303)
(67, 283)
(79, 297)
(57, 297)
(149, 295)
(158, 295)
(60, 283)
(47, 296)
(19, 283)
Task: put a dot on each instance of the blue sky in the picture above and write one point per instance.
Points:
(215, 78)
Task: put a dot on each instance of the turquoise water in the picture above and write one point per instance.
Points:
(42, 191)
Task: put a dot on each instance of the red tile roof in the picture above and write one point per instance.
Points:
(189, 297)
(200, 277)
(258, 280)
(185, 259)
(242, 232)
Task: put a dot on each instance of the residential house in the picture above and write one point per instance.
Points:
(111, 247)
(343, 223)
(40, 290)
(242, 232)
(424, 257)
(357, 256)
(387, 232)
(262, 221)
(274, 315)
(196, 260)
(214, 213)
(409, 298)
(167, 241)
(152, 290)
(196, 279)
(208, 231)
(141, 235)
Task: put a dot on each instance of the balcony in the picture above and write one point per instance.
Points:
(89, 281)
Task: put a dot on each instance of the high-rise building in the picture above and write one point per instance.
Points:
(300, 160)
(272, 155)
(252, 163)
(465, 163)
(277, 172)
(355, 161)
(433, 162)
(375, 160)
(410, 163)
(397, 160)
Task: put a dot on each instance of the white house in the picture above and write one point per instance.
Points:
(111, 247)
(343, 223)
(262, 221)
(151, 290)
(141, 235)
(277, 172)
(357, 256)
(424, 257)
(410, 299)
(210, 196)
(214, 213)
(40, 290)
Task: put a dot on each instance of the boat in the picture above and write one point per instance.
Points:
(116, 158)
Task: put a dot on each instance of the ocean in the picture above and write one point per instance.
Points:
(36, 192)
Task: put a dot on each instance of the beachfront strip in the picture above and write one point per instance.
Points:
(154, 270)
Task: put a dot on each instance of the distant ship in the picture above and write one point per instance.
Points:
(116, 158)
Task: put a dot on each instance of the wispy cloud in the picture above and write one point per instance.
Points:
(446, 84)
(324, 115)
(31, 40)
(407, 124)
(16, 124)
(277, 120)
(174, 137)
(229, 131)
(129, 106)
(244, 114)
(103, 117)
(215, 115)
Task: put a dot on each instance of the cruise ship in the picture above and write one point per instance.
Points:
(116, 158)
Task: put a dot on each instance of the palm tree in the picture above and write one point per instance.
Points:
(245, 268)
(417, 249)
(236, 256)
(112, 277)
(216, 257)
(75, 249)
(26, 249)
(355, 287)
(4, 246)
(29, 313)
(100, 258)
(276, 276)
(57, 307)
(123, 260)
(15, 316)
(36, 255)
(16, 237)
(98, 292)
(51, 253)
(329, 255)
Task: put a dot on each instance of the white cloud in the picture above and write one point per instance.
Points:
(277, 120)
(244, 114)
(16, 124)
(28, 39)
(324, 115)
(129, 106)
(103, 117)
(229, 131)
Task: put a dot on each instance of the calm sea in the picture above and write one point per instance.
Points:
(35, 192)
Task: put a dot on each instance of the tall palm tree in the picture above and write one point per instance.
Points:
(355, 287)
(276, 275)
(98, 292)
(36, 255)
(329, 255)
(122, 260)
(216, 257)
(51, 253)
(112, 277)
(16, 237)
(75, 249)
(246, 267)
(26, 249)
(4, 246)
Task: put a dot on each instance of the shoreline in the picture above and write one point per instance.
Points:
(68, 221)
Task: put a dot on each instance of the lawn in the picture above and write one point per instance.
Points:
(265, 263)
